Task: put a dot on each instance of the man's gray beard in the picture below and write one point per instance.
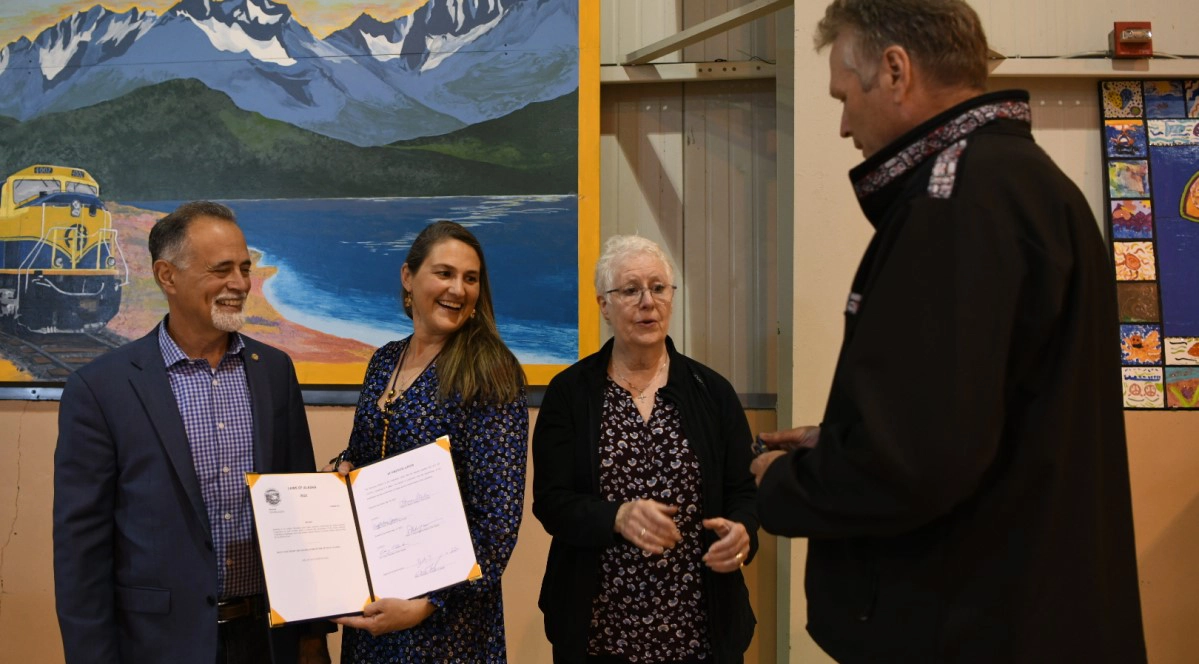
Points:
(227, 322)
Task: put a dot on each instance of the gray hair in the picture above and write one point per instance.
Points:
(620, 248)
(944, 37)
(168, 237)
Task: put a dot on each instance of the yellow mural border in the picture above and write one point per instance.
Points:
(589, 190)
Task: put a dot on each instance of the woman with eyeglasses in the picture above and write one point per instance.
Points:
(452, 376)
(641, 477)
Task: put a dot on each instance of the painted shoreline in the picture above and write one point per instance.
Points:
(320, 358)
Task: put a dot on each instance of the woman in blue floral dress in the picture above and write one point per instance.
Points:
(453, 376)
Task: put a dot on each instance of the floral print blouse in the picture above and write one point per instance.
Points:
(488, 443)
(650, 608)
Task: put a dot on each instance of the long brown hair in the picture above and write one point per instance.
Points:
(474, 362)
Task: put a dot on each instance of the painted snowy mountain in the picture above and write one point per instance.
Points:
(450, 64)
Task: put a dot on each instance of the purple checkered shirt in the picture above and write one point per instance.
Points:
(215, 405)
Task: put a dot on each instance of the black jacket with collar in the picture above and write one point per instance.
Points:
(567, 502)
(968, 500)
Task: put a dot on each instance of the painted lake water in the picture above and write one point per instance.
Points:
(339, 260)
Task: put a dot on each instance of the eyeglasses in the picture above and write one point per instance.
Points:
(631, 294)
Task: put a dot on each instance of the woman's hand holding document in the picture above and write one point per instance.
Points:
(331, 544)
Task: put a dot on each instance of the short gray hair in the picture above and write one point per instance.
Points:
(944, 37)
(620, 248)
(168, 237)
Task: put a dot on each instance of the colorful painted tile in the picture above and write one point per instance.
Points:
(1141, 344)
(1125, 138)
(1122, 99)
(1138, 302)
(1182, 387)
(1132, 220)
(1128, 179)
(1135, 261)
(1164, 99)
(1144, 387)
(1150, 218)
(1182, 351)
(1164, 133)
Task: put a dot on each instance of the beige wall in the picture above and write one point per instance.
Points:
(830, 235)
(1164, 461)
(691, 165)
(29, 629)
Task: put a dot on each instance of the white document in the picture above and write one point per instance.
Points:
(309, 545)
(414, 531)
(330, 545)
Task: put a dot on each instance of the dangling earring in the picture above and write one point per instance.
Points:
(473, 312)
(407, 300)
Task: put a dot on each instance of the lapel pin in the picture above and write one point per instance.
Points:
(254, 356)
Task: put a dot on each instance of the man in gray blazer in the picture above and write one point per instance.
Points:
(154, 551)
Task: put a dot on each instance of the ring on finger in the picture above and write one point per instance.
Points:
(642, 532)
(739, 556)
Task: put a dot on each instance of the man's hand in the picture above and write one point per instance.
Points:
(791, 439)
(390, 615)
(314, 649)
(762, 462)
(343, 467)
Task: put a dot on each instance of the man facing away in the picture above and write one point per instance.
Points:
(966, 495)
(154, 554)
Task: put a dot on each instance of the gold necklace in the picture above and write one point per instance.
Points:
(640, 392)
(395, 378)
(391, 393)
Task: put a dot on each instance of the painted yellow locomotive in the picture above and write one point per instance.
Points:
(61, 268)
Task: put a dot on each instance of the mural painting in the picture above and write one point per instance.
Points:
(335, 134)
(1151, 153)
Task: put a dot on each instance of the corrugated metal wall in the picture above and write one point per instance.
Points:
(692, 166)
(627, 25)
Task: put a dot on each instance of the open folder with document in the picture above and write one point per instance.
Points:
(332, 544)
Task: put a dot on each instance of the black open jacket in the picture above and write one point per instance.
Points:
(567, 501)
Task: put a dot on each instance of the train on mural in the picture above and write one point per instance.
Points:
(61, 266)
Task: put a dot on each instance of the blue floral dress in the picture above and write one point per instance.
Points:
(489, 445)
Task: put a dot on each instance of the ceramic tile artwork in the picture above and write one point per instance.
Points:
(1135, 261)
(1182, 387)
(1140, 344)
(1138, 301)
(1182, 351)
(1125, 138)
(1164, 99)
(1122, 99)
(1144, 387)
(1132, 219)
(1151, 170)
